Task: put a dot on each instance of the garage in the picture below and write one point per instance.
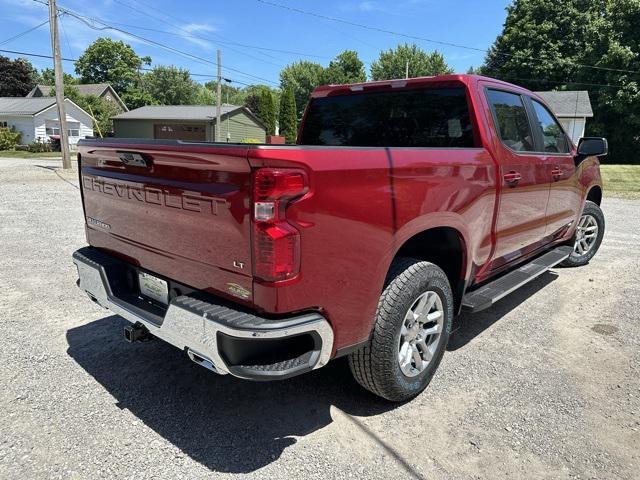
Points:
(180, 131)
(196, 123)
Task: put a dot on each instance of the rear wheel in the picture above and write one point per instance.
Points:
(411, 331)
(588, 236)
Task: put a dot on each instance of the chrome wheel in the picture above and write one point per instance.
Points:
(586, 235)
(420, 333)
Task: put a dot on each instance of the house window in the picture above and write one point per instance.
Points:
(3, 124)
(74, 133)
(53, 130)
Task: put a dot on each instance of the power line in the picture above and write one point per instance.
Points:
(223, 42)
(226, 40)
(423, 39)
(38, 55)
(205, 75)
(105, 26)
(15, 37)
(89, 21)
(190, 34)
(66, 38)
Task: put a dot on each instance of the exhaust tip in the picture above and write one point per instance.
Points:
(201, 360)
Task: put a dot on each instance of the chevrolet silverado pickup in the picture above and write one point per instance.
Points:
(403, 203)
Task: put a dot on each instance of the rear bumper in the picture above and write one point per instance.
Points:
(214, 333)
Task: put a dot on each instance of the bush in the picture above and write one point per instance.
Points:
(9, 138)
(40, 146)
(250, 140)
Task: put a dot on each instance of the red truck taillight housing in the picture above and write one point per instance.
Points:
(276, 243)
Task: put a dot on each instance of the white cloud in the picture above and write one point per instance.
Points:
(194, 33)
(370, 7)
(363, 6)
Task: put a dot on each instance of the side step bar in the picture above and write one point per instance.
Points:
(490, 293)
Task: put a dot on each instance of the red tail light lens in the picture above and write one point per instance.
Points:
(276, 243)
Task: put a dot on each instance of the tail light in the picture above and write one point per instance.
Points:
(276, 243)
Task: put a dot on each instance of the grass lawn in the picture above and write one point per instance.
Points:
(21, 154)
(623, 180)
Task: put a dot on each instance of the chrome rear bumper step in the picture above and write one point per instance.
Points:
(490, 293)
(214, 335)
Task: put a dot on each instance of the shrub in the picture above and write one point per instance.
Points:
(39, 146)
(250, 140)
(9, 138)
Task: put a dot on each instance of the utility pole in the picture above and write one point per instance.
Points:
(406, 70)
(57, 67)
(228, 131)
(219, 97)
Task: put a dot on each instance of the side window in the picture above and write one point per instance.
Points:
(511, 116)
(555, 141)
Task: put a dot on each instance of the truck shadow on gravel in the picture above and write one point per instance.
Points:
(227, 424)
(469, 325)
(231, 425)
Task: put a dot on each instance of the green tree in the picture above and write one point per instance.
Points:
(267, 111)
(136, 96)
(170, 86)
(110, 61)
(616, 109)
(17, 77)
(230, 94)
(204, 96)
(288, 117)
(301, 77)
(546, 45)
(100, 109)
(253, 94)
(540, 42)
(345, 68)
(393, 63)
(48, 77)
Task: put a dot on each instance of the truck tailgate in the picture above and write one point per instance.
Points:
(180, 210)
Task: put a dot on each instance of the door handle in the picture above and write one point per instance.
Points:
(512, 178)
(556, 173)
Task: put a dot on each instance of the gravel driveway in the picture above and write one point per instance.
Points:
(543, 385)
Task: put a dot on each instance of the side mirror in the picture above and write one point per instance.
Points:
(592, 146)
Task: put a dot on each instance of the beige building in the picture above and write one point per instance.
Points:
(190, 122)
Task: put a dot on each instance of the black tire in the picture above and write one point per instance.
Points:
(376, 366)
(576, 259)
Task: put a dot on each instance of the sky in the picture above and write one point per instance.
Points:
(256, 38)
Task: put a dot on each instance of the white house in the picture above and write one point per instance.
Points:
(37, 118)
(572, 109)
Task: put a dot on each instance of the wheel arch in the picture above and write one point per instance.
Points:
(595, 194)
(444, 245)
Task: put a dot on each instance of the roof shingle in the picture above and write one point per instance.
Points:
(175, 112)
(84, 89)
(568, 103)
(23, 105)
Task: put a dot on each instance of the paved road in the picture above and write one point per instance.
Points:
(543, 385)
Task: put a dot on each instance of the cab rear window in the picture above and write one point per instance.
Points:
(437, 118)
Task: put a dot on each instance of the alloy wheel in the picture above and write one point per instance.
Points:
(420, 333)
(586, 235)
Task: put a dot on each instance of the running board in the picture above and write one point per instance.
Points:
(490, 293)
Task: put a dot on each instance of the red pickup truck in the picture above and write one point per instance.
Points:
(402, 203)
